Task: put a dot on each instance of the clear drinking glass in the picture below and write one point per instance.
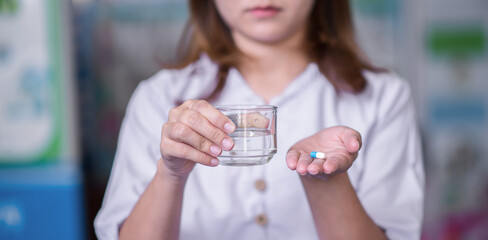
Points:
(254, 137)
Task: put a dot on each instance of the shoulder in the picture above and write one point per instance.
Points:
(386, 97)
(179, 84)
(386, 85)
(387, 91)
(161, 92)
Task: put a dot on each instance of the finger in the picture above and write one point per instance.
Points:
(352, 140)
(213, 115)
(200, 124)
(175, 112)
(173, 149)
(183, 133)
(292, 159)
(336, 163)
(316, 167)
(303, 161)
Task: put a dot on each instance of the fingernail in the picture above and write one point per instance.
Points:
(229, 127)
(227, 143)
(215, 150)
(355, 145)
(214, 162)
(328, 170)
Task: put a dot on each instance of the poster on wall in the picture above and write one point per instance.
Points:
(32, 80)
(453, 72)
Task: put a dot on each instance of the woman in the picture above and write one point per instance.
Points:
(301, 57)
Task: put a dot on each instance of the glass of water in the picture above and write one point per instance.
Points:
(254, 137)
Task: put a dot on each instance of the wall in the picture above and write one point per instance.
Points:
(439, 46)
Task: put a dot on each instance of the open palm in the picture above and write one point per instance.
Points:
(340, 145)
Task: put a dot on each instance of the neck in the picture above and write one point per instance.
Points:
(269, 68)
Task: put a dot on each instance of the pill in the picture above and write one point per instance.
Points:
(317, 155)
(254, 119)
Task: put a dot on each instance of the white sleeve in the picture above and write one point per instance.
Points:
(391, 186)
(135, 159)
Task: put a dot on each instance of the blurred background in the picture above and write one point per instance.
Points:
(68, 68)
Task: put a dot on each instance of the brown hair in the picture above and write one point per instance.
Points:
(330, 43)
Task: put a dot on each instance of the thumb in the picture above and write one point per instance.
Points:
(352, 140)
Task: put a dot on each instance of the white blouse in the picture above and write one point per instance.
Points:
(268, 202)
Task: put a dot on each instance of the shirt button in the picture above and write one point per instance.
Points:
(262, 219)
(260, 185)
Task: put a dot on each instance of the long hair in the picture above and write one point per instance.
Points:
(330, 43)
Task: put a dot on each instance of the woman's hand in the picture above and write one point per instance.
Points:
(195, 133)
(340, 145)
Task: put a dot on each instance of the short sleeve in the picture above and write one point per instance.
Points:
(136, 157)
(391, 187)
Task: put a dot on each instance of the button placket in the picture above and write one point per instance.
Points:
(259, 187)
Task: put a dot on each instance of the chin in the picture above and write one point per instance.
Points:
(269, 36)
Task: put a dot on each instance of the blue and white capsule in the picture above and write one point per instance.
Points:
(320, 155)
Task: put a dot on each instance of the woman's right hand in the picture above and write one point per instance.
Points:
(195, 133)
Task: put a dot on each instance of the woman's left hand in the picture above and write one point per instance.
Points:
(340, 145)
